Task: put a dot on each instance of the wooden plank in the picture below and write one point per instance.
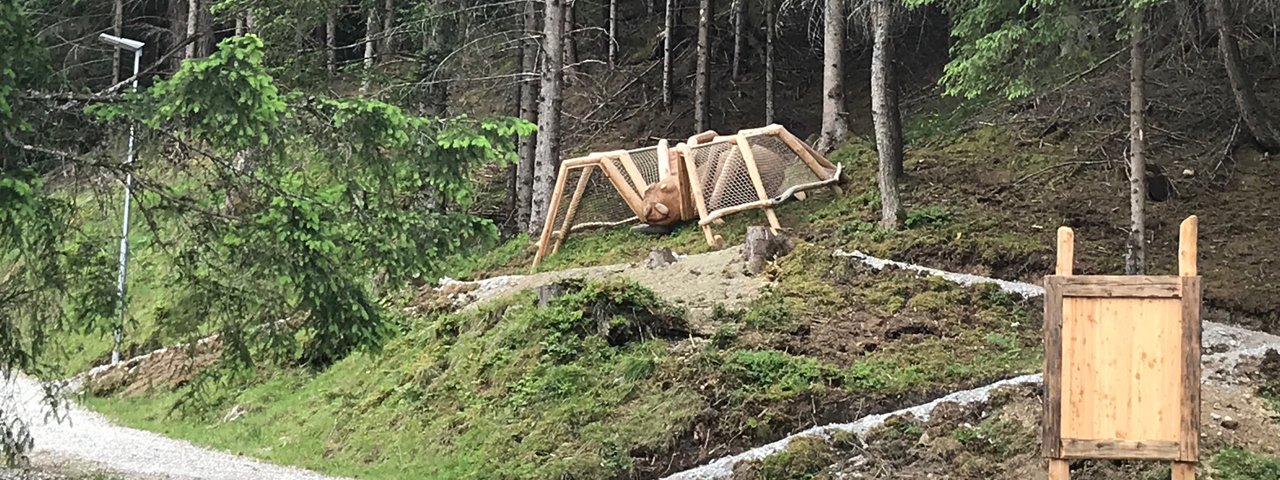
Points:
(632, 171)
(620, 184)
(1059, 469)
(823, 172)
(1191, 332)
(1122, 369)
(1183, 471)
(1113, 286)
(695, 189)
(1052, 414)
(754, 171)
(573, 208)
(549, 222)
(664, 159)
(703, 138)
(1187, 246)
(1119, 449)
(1066, 250)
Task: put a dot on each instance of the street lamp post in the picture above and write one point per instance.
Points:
(135, 47)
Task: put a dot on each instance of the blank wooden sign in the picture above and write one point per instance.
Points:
(1122, 363)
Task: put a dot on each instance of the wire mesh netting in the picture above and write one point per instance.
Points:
(600, 204)
(784, 165)
(646, 160)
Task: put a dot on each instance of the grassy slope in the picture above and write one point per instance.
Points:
(830, 342)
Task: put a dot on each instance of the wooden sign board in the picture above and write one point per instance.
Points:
(1122, 364)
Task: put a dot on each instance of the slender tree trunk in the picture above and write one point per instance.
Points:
(700, 101)
(193, 24)
(117, 29)
(885, 115)
(331, 42)
(177, 13)
(834, 123)
(388, 26)
(1135, 262)
(250, 21)
(570, 47)
(528, 112)
(1261, 127)
(613, 33)
(547, 159)
(239, 25)
(370, 42)
(668, 28)
(205, 30)
(737, 14)
(770, 30)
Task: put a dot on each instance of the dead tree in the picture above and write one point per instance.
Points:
(736, 12)
(763, 246)
(834, 127)
(331, 42)
(885, 114)
(1135, 261)
(1251, 112)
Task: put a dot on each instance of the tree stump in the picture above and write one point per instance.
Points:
(761, 246)
(660, 257)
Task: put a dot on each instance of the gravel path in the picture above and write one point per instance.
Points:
(90, 441)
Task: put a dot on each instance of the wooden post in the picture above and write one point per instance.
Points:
(695, 191)
(549, 223)
(815, 161)
(1066, 250)
(1185, 468)
(632, 171)
(1187, 246)
(754, 172)
(573, 208)
(620, 184)
(664, 159)
(1059, 468)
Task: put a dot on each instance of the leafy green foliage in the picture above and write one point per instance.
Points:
(297, 202)
(1011, 48)
(1238, 464)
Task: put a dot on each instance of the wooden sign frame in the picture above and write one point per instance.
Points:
(1122, 363)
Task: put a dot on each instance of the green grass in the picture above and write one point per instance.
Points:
(1238, 464)
(509, 391)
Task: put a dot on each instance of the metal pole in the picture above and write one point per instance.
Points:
(124, 227)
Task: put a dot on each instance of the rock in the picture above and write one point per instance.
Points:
(660, 257)
(1189, 172)
(237, 412)
(1215, 417)
(549, 292)
(1230, 423)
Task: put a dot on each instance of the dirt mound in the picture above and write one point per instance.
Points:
(162, 369)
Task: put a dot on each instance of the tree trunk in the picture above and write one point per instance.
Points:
(1135, 261)
(737, 15)
(331, 42)
(700, 101)
(770, 30)
(570, 47)
(547, 159)
(834, 123)
(388, 24)
(193, 23)
(528, 112)
(667, 43)
(613, 33)
(205, 31)
(370, 40)
(1260, 126)
(177, 13)
(117, 29)
(885, 115)
(239, 25)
